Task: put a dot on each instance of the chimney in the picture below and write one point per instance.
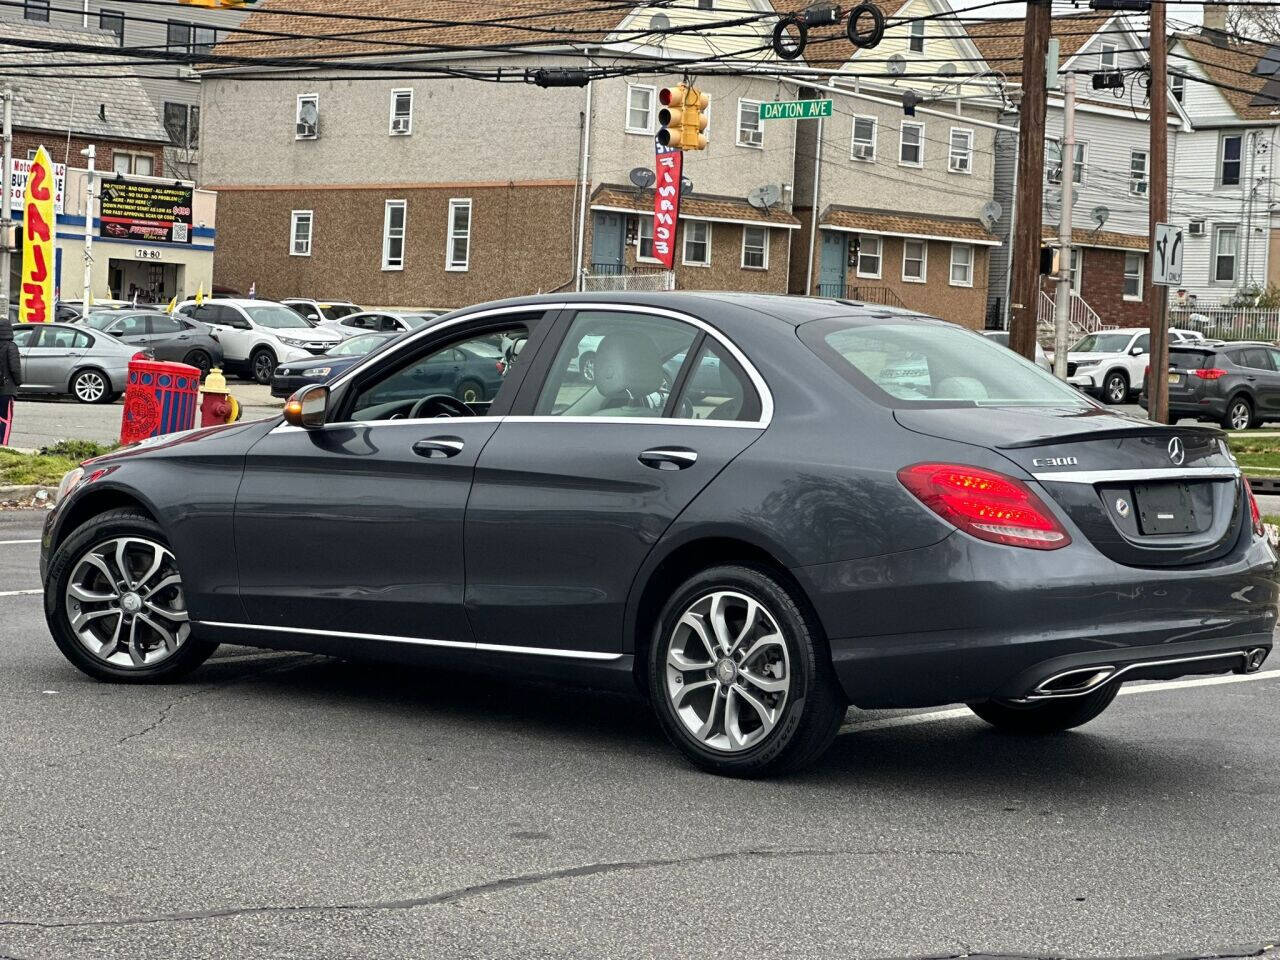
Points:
(1215, 16)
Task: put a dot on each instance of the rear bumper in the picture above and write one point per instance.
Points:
(963, 620)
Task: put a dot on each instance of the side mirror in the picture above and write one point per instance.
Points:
(307, 407)
(1136, 352)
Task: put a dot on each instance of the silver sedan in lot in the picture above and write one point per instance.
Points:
(60, 359)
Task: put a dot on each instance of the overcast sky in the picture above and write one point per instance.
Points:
(1182, 12)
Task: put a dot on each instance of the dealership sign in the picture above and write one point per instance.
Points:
(666, 203)
(21, 170)
(150, 212)
(35, 301)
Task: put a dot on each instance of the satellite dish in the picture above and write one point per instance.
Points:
(897, 65)
(659, 21)
(642, 177)
(686, 186)
(991, 212)
(947, 70)
(763, 197)
(1100, 214)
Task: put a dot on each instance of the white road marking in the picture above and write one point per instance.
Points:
(10, 543)
(20, 593)
(956, 713)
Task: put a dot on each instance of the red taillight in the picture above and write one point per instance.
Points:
(1209, 373)
(1255, 514)
(985, 504)
(501, 365)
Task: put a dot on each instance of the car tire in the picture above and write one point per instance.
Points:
(1239, 415)
(90, 385)
(587, 366)
(706, 708)
(85, 610)
(201, 360)
(1046, 716)
(1115, 388)
(262, 366)
(470, 391)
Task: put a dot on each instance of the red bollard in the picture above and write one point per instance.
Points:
(159, 398)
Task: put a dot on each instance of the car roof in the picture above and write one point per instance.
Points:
(234, 301)
(1220, 344)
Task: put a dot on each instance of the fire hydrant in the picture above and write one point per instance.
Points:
(217, 406)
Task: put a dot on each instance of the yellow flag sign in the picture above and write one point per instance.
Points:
(35, 303)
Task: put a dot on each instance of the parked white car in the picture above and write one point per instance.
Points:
(257, 335)
(377, 321)
(317, 312)
(1002, 337)
(1112, 364)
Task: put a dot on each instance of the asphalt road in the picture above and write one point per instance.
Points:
(291, 806)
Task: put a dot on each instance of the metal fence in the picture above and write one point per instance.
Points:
(1228, 323)
(634, 279)
(864, 293)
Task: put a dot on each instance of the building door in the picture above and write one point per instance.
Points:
(606, 243)
(835, 258)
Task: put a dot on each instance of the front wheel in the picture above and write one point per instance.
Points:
(115, 603)
(470, 391)
(1239, 415)
(739, 677)
(587, 367)
(91, 386)
(263, 365)
(1115, 388)
(1046, 716)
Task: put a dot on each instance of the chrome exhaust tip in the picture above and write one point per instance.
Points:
(1253, 660)
(1073, 683)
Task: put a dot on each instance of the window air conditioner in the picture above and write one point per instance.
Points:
(400, 125)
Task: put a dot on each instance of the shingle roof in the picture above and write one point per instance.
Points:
(1243, 64)
(1100, 238)
(1000, 41)
(107, 107)
(693, 207)
(908, 225)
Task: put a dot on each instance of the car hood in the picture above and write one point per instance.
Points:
(332, 361)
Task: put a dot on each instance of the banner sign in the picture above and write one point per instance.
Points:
(150, 212)
(666, 203)
(35, 301)
(18, 174)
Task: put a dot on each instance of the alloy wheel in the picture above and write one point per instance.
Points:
(1239, 415)
(1116, 389)
(588, 365)
(90, 387)
(728, 672)
(470, 394)
(125, 603)
(263, 367)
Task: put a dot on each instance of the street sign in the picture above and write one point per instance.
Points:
(1166, 258)
(796, 109)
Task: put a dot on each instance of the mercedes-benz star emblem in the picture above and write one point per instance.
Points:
(1177, 453)
(1122, 507)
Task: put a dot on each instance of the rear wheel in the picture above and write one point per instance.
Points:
(470, 391)
(115, 604)
(587, 366)
(200, 360)
(1045, 716)
(740, 680)
(263, 365)
(91, 386)
(1115, 388)
(1239, 415)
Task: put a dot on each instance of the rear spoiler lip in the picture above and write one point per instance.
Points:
(1112, 434)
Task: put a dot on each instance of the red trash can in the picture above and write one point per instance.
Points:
(159, 398)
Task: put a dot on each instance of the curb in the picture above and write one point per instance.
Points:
(25, 493)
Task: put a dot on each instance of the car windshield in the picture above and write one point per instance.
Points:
(1103, 343)
(275, 317)
(336, 311)
(415, 320)
(359, 346)
(903, 364)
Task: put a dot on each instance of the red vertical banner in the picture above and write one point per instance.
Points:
(669, 166)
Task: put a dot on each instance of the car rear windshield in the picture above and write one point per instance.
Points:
(276, 317)
(933, 364)
(1180, 359)
(1103, 343)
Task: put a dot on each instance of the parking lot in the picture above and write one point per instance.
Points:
(286, 805)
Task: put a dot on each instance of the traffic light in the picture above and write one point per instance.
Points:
(681, 117)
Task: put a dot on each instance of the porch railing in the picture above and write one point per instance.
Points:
(885, 296)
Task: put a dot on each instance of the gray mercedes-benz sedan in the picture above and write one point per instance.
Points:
(60, 359)
(870, 507)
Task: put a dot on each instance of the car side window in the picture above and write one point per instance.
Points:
(162, 325)
(1256, 358)
(615, 364)
(717, 388)
(1143, 343)
(135, 326)
(1275, 357)
(390, 324)
(400, 392)
(25, 336)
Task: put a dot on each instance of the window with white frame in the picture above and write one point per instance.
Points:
(459, 234)
(1138, 173)
(393, 235)
(911, 145)
(870, 250)
(300, 233)
(915, 255)
(960, 153)
(644, 240)
(1073, 270)
(1133, 265)
(140, 164)
(697, 243)
(1053, 161)
(1225, 246)
(864, 138)
(1107, 56)
(750, 132)
(307, 117)
(1229, 160)
(755, 248)
(961, 265)
(640, 109)
(1178, 86)
(401, 113)
(915, 39)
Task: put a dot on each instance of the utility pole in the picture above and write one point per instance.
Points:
(1025, 294)
(91, 153)
(6, 203)
(1158, 212)
(1062, 304)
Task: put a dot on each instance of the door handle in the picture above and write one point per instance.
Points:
(438, 448)
(668, 458)
(1251, 379)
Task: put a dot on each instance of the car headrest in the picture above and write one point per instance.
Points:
(627, 365)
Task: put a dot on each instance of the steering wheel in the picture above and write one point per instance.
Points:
(439, 405)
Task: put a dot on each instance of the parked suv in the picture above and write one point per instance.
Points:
(317, 312)
(256, 335)
(1235, 384)
(1112, 364)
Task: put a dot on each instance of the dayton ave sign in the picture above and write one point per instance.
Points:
(796, 109)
